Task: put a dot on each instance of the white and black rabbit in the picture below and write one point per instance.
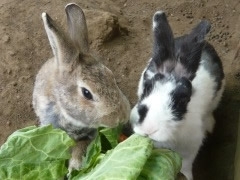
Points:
(178, 91)
(73, 90)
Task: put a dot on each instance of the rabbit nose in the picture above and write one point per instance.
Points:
(144, 132)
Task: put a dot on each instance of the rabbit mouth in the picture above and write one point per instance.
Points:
(154, 135)
(141, 132)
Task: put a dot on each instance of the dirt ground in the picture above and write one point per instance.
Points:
(120, 32)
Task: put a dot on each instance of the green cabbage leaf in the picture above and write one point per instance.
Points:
(35, 153)
(43, 153)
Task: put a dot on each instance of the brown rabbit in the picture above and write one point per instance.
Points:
(73, 91)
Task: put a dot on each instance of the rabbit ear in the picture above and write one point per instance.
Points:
(200, 31)
(77, 27)
(163, 47)
(189, 49)
(62, 49)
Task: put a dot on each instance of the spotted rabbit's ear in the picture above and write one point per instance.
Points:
(77, 27)
(200, 31)
(62, 47)
(189, 50)
(163, 47)
(163, 61)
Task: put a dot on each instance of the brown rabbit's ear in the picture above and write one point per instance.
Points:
(63, 50)
(77, 27)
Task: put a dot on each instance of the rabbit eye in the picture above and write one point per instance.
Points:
(86, 93)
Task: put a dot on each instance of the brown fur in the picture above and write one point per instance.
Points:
(58, 97)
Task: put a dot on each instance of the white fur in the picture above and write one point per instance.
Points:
(155, 125)
(185, 136)
(155, 23)
(69, 4)
(158, 122)
(51, 36)
(140, 84)
(44, 16)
